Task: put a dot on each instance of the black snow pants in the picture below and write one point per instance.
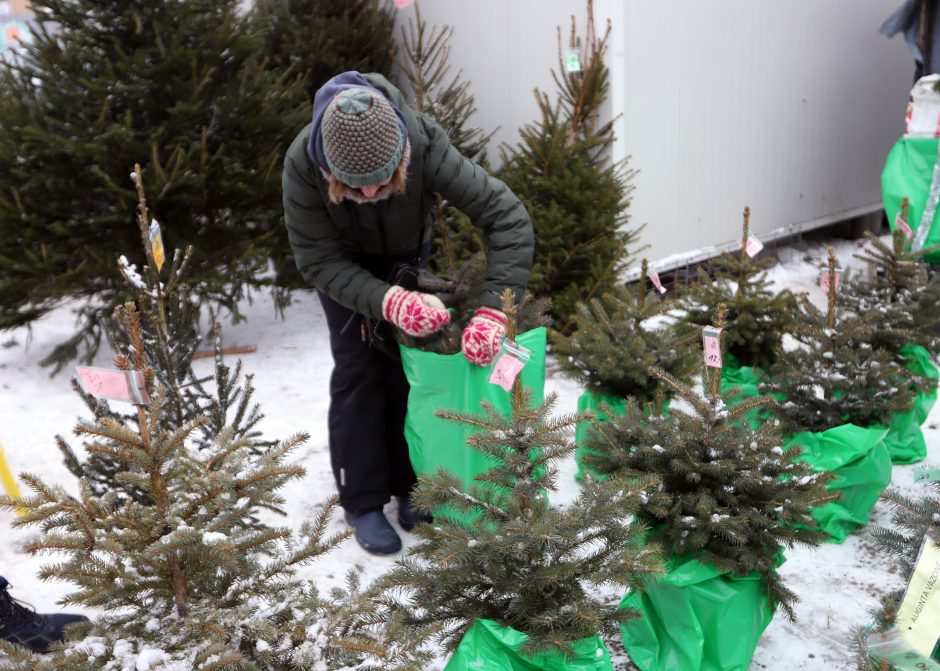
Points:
(368, 400)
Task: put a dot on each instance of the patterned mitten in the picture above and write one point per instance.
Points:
(415, 313)
(483, 335)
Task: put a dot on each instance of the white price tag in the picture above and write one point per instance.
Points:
(918, 617)
(753, 246)
(573, 61)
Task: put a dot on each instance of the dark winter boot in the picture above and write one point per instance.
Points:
(408, 516)
(28, 628)
(373, 532)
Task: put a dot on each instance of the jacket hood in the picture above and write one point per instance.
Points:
(321, 100)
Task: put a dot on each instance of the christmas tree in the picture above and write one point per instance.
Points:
(106, 83)
(318, 39)
(178, 579)
(431, 88)
(896, 290)
(728, 494)
(576, 196)
(836, 376)
(618, 337)
(170, 327)
(912, 518)
(510, 556)
(757, 316)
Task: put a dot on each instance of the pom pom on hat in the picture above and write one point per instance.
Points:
(362, 138)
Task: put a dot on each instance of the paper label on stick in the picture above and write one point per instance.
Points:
(573, 61)
(918, 617)
(824, 279)
(505, 371)
(902, 226)
(508, 364)
(711, 339)
(114, 385)
(156, 244)
(753, 246)
(654, 278)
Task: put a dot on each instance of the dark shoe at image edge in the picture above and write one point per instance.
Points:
(24, 626)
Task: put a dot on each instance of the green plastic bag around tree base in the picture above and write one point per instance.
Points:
(697, 618)
(908, 172)
(489, 646)
(745, 379)
(450, 382)
(862, 467)
(592, 401)
(905, 440)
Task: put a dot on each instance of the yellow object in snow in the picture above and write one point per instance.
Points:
(7, 479)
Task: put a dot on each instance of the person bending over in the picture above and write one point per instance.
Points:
(358, 189)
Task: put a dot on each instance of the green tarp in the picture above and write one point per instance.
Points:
(489, 646)
(862, 466)
(905, 440)
(450, 382)
(908, 172)
(697, 618)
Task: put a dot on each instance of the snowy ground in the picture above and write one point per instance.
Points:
(837, 584)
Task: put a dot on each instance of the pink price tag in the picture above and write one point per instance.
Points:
(505, 371)
(654, 278)
(401, 4)
(753, 246)
(824, 280)
(712, 342)
(901, 225)
(114, 385)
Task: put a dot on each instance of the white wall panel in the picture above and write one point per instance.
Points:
(787, 106)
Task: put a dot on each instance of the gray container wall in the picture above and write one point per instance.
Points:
(788, 107)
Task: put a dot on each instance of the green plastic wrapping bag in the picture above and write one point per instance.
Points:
(745, 379)
(697, 618)
(490, 646)
(592, 401)
(905, 440)
(908, 172)
(862, 466)
(450, 382)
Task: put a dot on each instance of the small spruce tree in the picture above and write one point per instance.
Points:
(758, 317)
(170, 327)
(836, 377)
(729, 495)
(178, 580)
(912, 518)
(576, 196)
(617, 339)
(896, 290)
(522, 562)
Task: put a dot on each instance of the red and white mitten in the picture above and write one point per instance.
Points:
(483, 335)
(415, 313)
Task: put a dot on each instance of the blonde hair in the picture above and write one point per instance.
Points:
(398, 183)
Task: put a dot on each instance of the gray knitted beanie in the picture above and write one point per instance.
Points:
(362, 140)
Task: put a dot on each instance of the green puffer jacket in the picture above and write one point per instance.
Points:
(327, 239)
